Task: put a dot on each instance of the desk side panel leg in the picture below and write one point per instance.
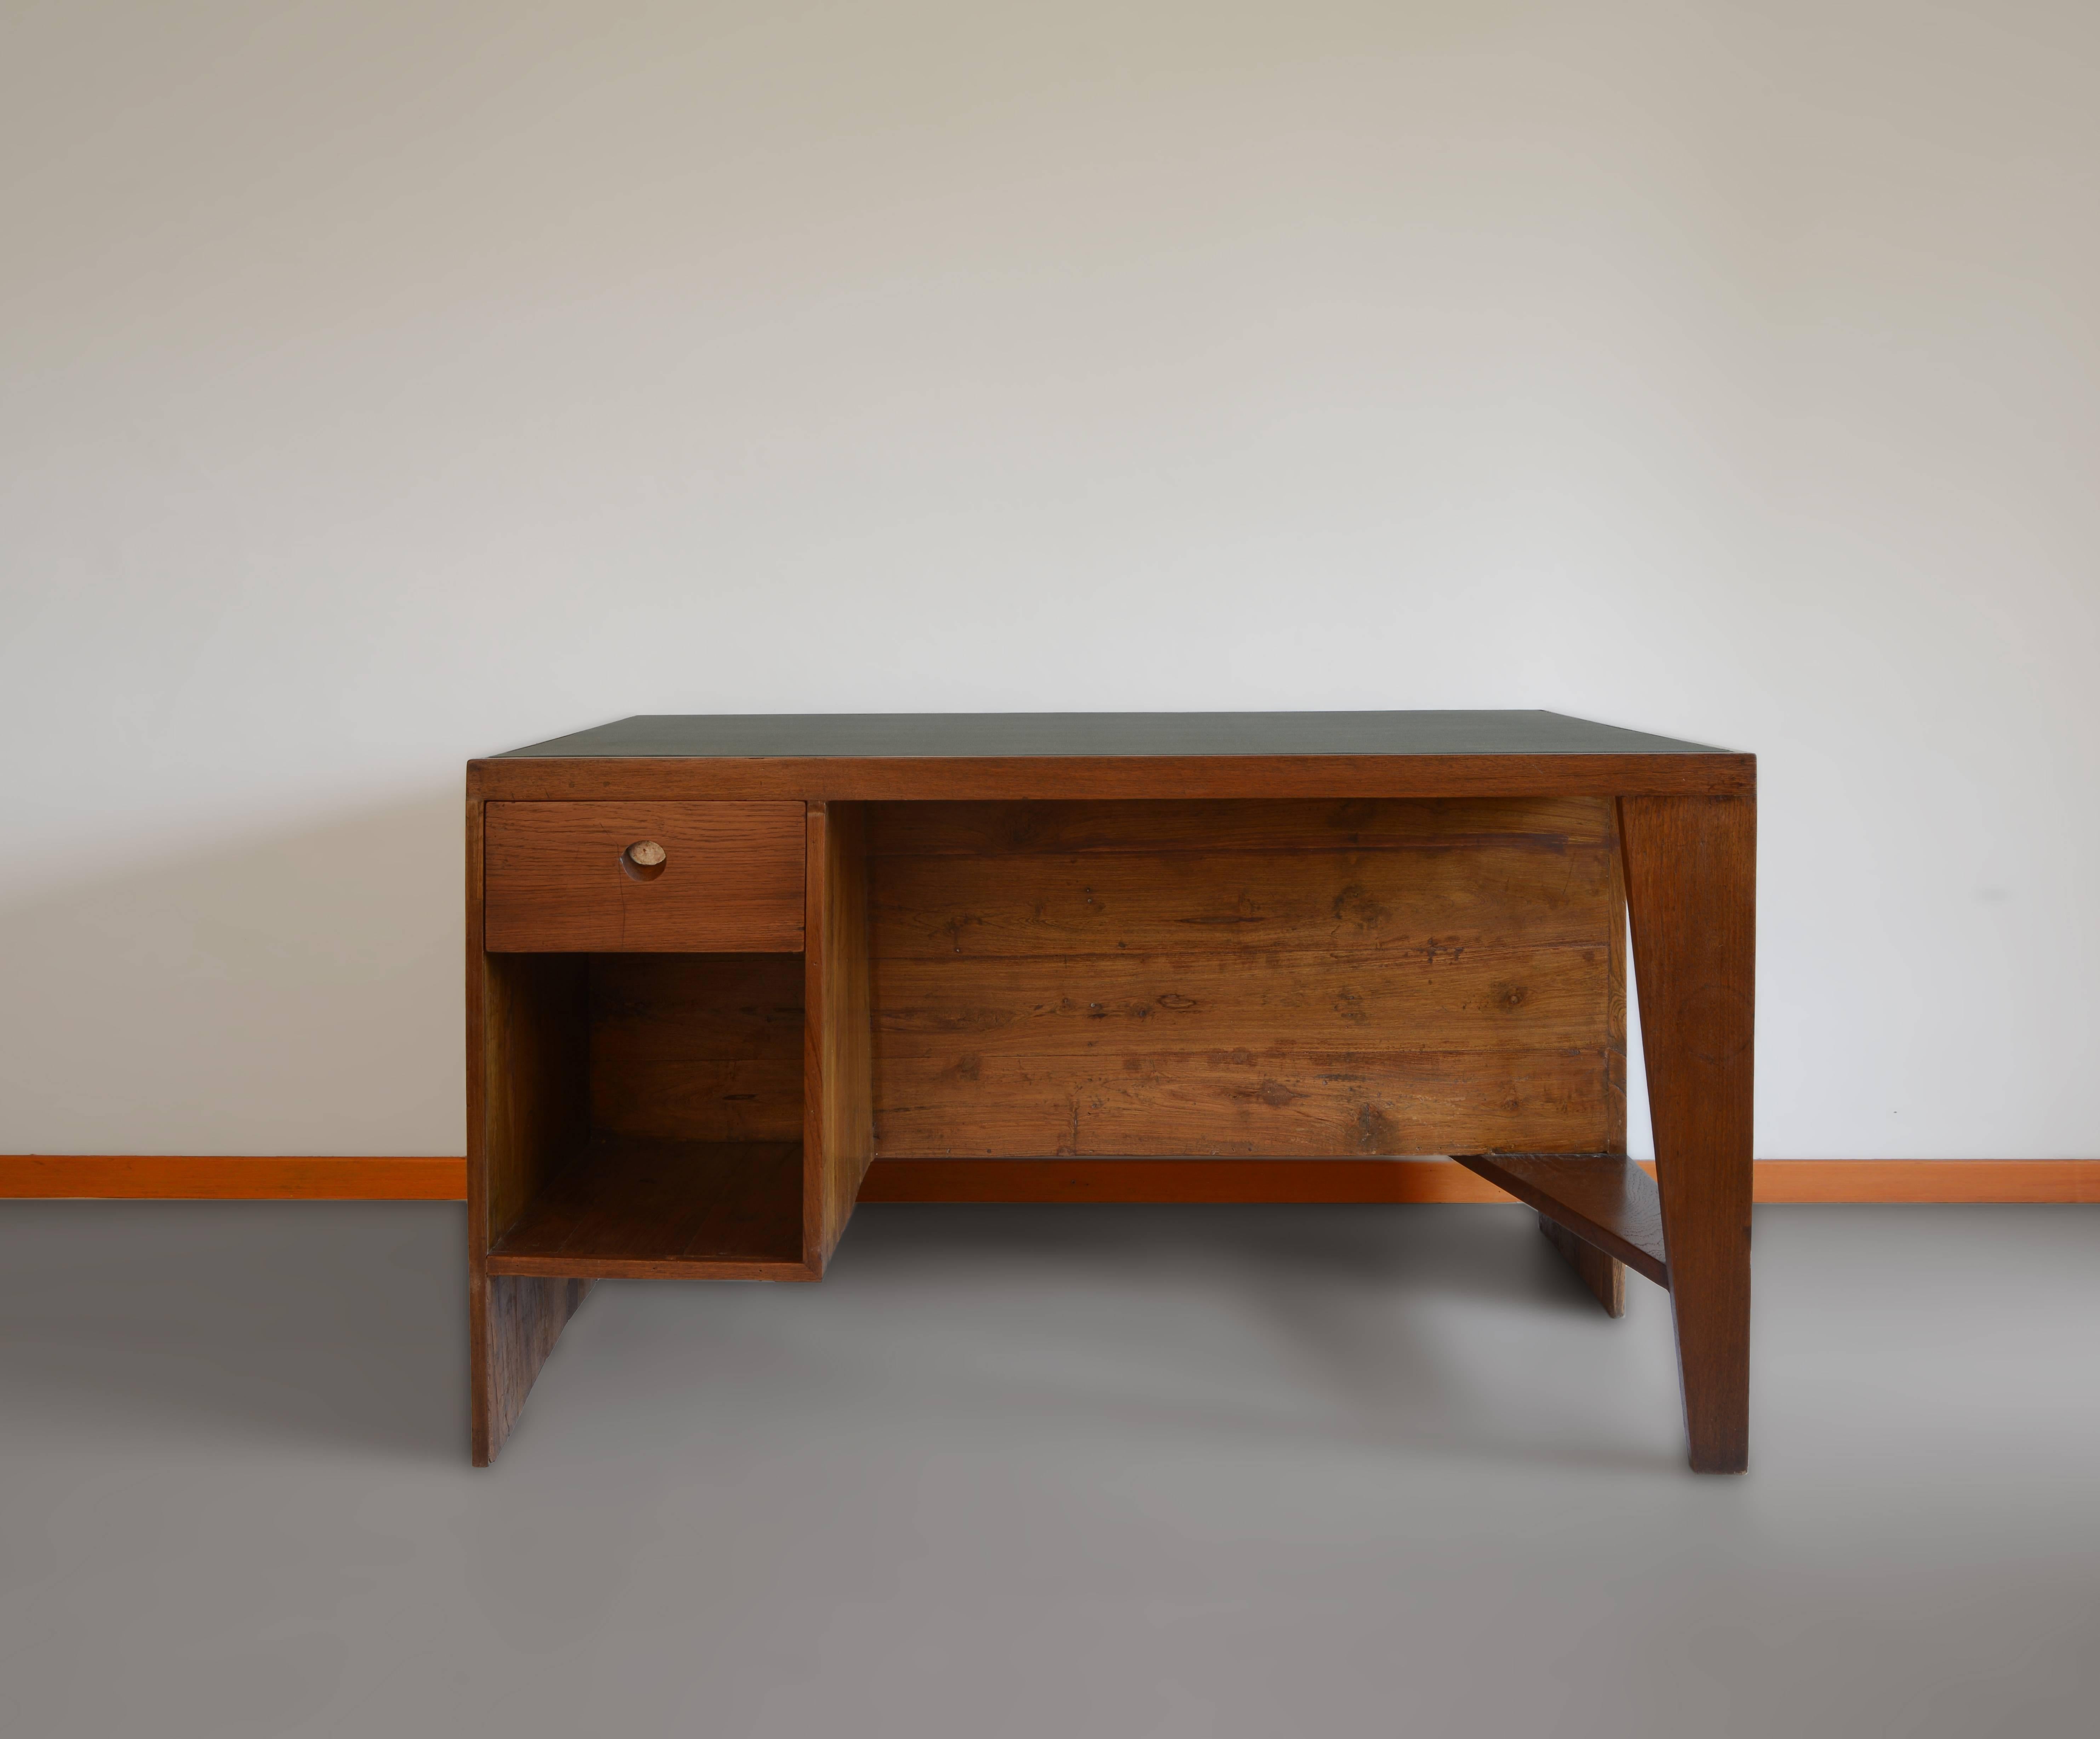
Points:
(527, 1113)
(1691, 870)
(517, 1321)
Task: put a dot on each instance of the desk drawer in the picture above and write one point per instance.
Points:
(642, 878)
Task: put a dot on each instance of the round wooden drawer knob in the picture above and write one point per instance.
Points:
(643, 860)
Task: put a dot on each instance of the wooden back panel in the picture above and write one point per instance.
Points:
(697, 1047)
(1286, 978)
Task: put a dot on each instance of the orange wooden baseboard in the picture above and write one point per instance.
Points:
(349, 1177)
(1928, 1179)
(443, 1178)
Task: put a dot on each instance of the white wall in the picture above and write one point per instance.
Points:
(382, 384)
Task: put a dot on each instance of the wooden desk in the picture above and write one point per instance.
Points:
(717, 966)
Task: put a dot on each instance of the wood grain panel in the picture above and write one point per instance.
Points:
(1275, 1100)
(1428, 903)
(697, 1047)
(643, 1208)
(1102, 980)
(1062, 829)
(723, 1006)
(1241, 1001)
(688, 1098)
(839, 1132)
(731, 879)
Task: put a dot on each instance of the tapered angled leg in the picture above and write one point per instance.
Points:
(1691, 870)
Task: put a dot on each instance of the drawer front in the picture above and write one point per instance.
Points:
(642, 878)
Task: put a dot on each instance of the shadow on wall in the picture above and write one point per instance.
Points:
(289, 993)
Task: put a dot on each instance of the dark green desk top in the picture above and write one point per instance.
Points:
(977, 736)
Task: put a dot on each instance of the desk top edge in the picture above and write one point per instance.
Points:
(1098, 736)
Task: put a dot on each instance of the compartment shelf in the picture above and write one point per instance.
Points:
(629, 1207)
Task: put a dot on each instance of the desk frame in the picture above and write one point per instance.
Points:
(1686, 834)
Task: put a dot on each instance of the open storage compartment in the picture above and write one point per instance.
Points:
(668, 1074)
(650, 1111)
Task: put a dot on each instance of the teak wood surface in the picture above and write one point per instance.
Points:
(726, 875)
(1117, 941)
(1290, 979)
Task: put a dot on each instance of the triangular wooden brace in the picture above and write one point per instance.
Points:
(1604, 1199)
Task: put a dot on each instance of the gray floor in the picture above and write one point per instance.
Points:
(1047, 1471)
